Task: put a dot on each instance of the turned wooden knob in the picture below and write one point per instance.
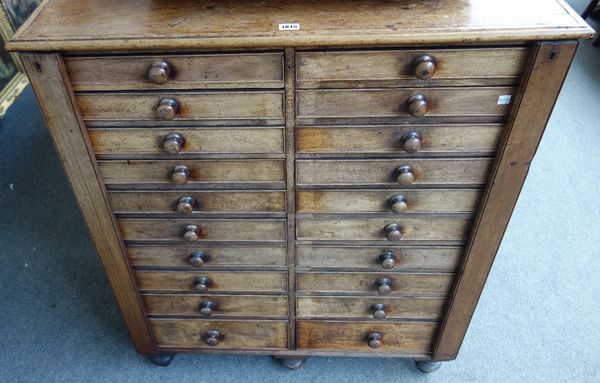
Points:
(167, 109)
(374, 339)
(185, 205)
(207, 308)
(399, 204)
(417, 105)
(384, 286)
(159, 73)
(201, 284)
(211, 337)
(191, 233)
(379, 311)
(173, 143)
(388, 260)
(198, 258)
(424, 67)
(180, 174)
(411, 142)
(406, 176)
(393, 232)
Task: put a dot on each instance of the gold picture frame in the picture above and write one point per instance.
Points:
(12, 77)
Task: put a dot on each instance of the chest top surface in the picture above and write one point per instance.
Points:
(104, 25)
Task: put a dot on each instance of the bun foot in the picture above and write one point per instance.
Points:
(162, 360)
(428, 366)
(290, 363)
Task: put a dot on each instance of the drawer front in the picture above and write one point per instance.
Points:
(151, 141)
(388, 201)
(178, 71)
(443, 172)
(228, 173)
(230, 334)
(191, 106)
(410, 67)
(213, 256)
(377, 103)
(408, 337)
(375, 229)
(192, 202)
(370, 308)
(195, 230)
(434, 139)
(217, 306)
(192, 282)
(379, 258)
(369, 283)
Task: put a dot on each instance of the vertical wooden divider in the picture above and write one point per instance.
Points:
(290, 153)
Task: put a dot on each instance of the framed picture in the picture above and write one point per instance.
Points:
(19, 10)
(12, 77)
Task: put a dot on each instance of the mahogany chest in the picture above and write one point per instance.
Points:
(298, 178)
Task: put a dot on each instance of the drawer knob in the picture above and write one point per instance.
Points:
(192, 233)
(180, 174)
(201, 284)
(388, 260)
(379, 311)
(417, 105)
(207, 308)
(167, 109)
(211, 337)
(424, 67)
(406, 175)
(173, 143)
(159, 73)
(384, 286)
(198, 258)
(185, 205)
(393, 232)
(399, 204)
(374, 339)
(411, 142)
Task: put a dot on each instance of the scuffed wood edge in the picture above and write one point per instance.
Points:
(50, 83)
(533, 107)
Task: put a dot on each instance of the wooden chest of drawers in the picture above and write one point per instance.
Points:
(298, 178)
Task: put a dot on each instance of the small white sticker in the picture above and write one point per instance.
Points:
(289, 27)
(504, 100)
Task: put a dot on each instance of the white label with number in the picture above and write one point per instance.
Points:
(504, 100)
(289, 27)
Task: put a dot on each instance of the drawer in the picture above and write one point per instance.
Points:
(379, 258)
(207, 257)
(391, 104)
(208, 282)
(221, 334)
(186, 141)
(195, 173)
(401, 338)
(390, 68)
(262, 70)
(187, 106)
(471, 172)
(398, 201)
(371, 283)
(406, 228)
(447, 139)
(217, 306)
(195, 230)
(195, 202)
(370, 308)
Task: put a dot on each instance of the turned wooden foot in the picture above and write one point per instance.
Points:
(291, 363)
(161, 359)
(428, 366)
